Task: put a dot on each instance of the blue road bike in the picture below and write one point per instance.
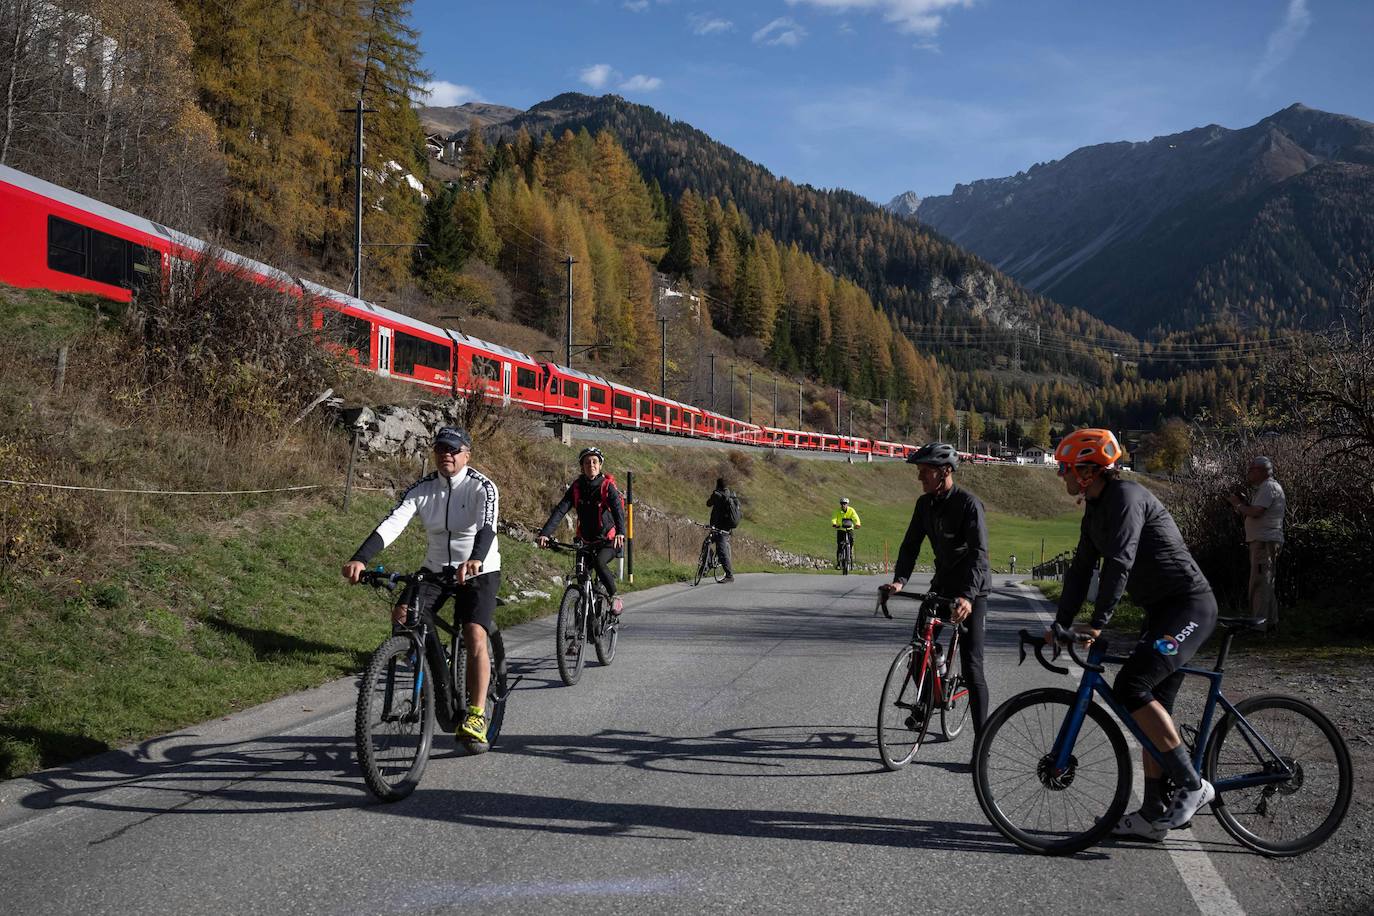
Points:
(1052, 771)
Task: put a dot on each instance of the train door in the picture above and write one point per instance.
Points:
(586, 393)
(505, 384)
(383, 350)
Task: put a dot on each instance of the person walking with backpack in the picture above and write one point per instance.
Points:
(725, 518)
(600, 517)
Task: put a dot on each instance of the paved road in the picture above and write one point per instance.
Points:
(725, 762)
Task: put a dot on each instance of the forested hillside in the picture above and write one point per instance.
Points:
(232, 119)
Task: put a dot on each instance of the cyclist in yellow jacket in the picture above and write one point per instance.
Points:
(844, 522)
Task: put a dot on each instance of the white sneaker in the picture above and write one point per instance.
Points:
(1134, 826)
(1185, 804)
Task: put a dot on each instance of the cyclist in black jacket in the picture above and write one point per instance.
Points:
(1129, 531)
(953, 519)
(723, 522)
(600, 517)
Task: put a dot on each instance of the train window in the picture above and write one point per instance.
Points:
(484, 367)
(674, 415)
(644, 408)
(409, 351)
(571, 389)
(622, 402)
(353, 333)
(598, 395)
(66, 246)
(525, 378)
(660, 413)
(109, 257)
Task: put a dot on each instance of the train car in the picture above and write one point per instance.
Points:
(53, 238)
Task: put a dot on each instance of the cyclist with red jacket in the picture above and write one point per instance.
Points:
(600, 517)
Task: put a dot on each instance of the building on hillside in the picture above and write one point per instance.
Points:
(1037, 455)
(675, 300)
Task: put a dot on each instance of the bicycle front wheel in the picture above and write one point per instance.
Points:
(1033, 804)
(1282, 818)
(904, 709)
(571, 645)
(607, 635)
(394, 722)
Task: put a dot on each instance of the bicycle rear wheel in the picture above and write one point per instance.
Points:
(904, 710)
(1290, 817)
(394, 721)
(1019, 789)
(495, 708)
(571, 642)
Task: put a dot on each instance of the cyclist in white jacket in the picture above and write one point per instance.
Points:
(458, 507)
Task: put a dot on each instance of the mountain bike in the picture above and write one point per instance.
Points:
(924, 677)
(1053, 773)
(709, 564)
(584, 614)
(413, 681)
(844, 547)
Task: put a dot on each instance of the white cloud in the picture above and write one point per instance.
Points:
(709, 24)
(914, 17)
(443, 94)
(641, 83)
(636, 6)
(597, 75)
(1283, 41)
(781, 31)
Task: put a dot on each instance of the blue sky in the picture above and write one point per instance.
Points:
(883, 96)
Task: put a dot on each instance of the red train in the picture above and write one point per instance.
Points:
(52, 238)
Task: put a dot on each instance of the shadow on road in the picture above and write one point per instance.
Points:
(749, 752)
(574, 817)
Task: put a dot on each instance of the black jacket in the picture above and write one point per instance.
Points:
(1135, 537)
(592, 523)
(958, 534)
(720, 509)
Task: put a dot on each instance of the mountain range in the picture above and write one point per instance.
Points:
(1257, 227)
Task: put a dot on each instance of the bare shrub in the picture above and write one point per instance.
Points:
(742, 462)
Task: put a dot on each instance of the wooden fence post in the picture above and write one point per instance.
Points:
(59, 380)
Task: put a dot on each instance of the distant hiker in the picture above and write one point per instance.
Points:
(1262, 507)
(725, 518)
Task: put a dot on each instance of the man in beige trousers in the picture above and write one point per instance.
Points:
(1263, 513)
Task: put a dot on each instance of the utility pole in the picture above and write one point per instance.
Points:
(885, 435)
(713, 382)
(732, 389)
(663, 357)
(750, 408)
(837, 411)
(799, 405)
(851, 419)
(775, 401)
(359, 111)
(570, 262)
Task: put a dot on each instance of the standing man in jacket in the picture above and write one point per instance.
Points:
(1262, 509)
(722, 523)
(954, 521)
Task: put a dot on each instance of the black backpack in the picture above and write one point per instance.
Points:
(733, 515)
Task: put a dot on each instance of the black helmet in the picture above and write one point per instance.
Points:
(936, 453)
(590, 450)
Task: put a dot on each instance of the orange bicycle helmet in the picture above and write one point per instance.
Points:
(1087, 446)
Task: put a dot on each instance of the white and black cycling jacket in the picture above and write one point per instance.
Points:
(459, 514)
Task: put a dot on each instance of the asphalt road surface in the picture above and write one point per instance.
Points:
(725, 762)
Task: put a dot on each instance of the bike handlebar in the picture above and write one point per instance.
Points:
(1062, 637)
(580, 545)
(380, 578)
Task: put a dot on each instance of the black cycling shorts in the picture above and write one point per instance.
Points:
(474, 602)
(1174, 630)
